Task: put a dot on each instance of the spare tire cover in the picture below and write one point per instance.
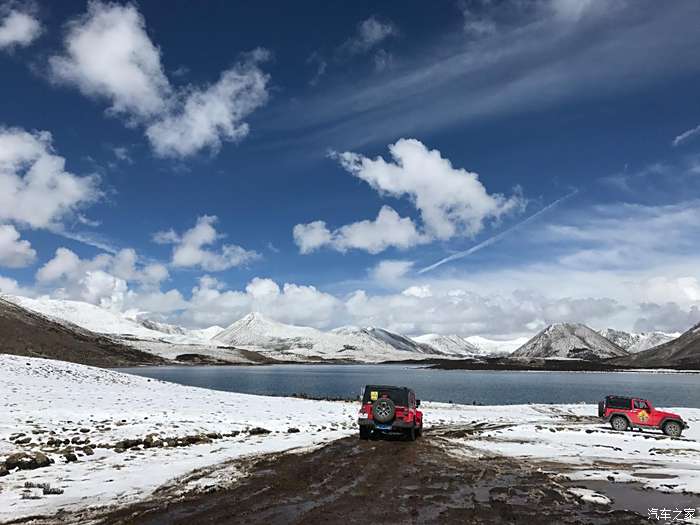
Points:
(383, 410)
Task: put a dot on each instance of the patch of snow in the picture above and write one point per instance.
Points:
(590, 496)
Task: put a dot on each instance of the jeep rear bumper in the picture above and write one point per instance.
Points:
(397, 424)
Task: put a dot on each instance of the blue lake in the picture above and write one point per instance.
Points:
(459, 386)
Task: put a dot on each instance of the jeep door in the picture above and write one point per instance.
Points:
(640, 415)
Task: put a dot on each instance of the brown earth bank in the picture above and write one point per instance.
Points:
(379, 481)
(26, 333)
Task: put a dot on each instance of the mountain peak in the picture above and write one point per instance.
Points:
(569, 340)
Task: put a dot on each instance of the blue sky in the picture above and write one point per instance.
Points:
(236, 156)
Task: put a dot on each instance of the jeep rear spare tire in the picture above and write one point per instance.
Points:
(619, 423)
(672, 428)
(383, 410)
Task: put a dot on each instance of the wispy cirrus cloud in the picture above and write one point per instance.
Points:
(686, 135)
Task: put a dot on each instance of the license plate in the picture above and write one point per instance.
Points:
(384, 427)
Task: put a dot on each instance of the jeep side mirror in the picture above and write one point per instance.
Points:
(417, 402)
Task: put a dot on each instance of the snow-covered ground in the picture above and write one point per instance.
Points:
(50, 400)
(570, 438)
(74, 401)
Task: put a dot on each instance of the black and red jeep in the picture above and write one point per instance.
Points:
(634, 412)
(390, 410)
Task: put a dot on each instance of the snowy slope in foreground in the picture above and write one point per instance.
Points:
(43, 395)
(284, 341)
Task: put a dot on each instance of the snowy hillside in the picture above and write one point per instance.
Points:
(569, 340)
(637, 342)
(496, 347)
(283, 341)
(103, 321)
(449, 344)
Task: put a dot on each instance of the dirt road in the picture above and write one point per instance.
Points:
(379, 481)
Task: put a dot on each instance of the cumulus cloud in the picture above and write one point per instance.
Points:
(389, 271)
(101, 280)
(211, 115)
(109, 55)
(189, 248)
(451, 202)
(369, 33)
(668, 317)
(17, 28)
(35, 188)
(291, 303)
(14, 252)
(373, 236)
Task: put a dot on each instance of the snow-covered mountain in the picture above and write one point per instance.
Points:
(205, 334)
(103, 321)
(88, 316)
(569, 340)
(449, 344)
(496, 347)
(682, 352)
(637, 342)
(274, 339)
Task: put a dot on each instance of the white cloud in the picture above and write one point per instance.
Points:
(104, 279)
(14, 253)
(370, 33)
(189, 248)
(291, 303)
(18, 28)
(686, 135)
(12, 287)
(35, 188)
(311, 236)
(390, 271)
(388, 229)
(451, 201)
(211, 115)
(108, 54)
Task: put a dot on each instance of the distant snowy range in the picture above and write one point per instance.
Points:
(258, 339)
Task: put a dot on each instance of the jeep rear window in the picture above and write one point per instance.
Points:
(398, 395)
(618, 402)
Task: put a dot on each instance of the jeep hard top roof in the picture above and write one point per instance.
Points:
(398, 394)
(386, 387)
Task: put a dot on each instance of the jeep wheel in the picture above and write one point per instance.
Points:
(419, 432)
(365, 432)
(383, 410)
(618, 423)
(673, 429)
(411, 434)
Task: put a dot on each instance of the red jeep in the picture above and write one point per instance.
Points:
(633, 412)
(390, 410)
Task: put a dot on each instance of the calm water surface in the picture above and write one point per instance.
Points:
(459, 386)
